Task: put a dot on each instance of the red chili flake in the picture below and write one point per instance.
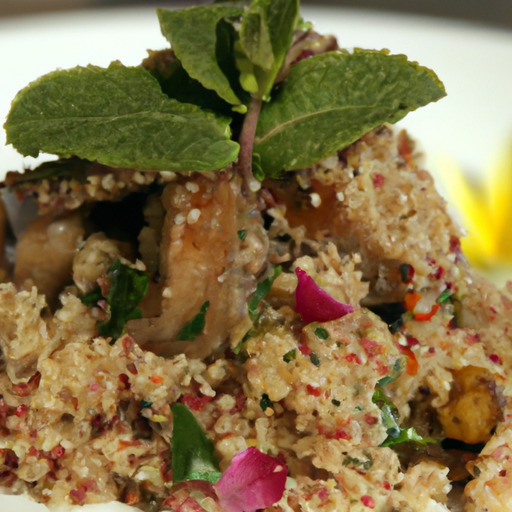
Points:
(431, 350)
(156, 379)
(323, 494)
(132, 368)
(21, 410)
(57, 452)
(125, 381)
(386, 485)
(305, 349)
(371, 420)
(425, 317)
(353, 358)
(195, 402)
(368, 501)
(341, 434)
(412, 341)
(378, 180)
(495, 358)
(33, 451)
(372, 348)
(503, 472)
(313, 390)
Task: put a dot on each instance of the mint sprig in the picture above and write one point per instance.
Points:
(225, 59)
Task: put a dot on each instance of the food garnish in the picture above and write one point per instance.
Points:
(241, 290)
(119, 116)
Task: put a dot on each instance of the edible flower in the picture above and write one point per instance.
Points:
(485, 209)
(314, 304)
(253, 481)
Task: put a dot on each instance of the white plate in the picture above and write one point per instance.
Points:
(470, 125)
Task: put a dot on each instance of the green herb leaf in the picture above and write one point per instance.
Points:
(178, 84)
(390, 419)
(330, 100)
(127, 288)
(397, 370)
(193, 453)
(290, 355)
(321, 333)
(265, 402)
(261, 292)
(365, 464)
(191, 330)
(192, 33)
(408, 435)
(446, 296)
(118, 116)
(314, 359)
(266, 34)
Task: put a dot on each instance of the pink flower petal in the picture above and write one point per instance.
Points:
(252, 481)
(314, 304)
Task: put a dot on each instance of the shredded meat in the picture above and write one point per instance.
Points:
(203, 258)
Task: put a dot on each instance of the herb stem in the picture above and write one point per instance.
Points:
(246, 142)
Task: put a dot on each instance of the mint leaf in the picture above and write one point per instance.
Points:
(193, 453)
(390, 420)
(191, 330)
(119, 117)
(178, 84)
(266, 34)
(408, 435)
(330, 100)
(262, 290)
(127, 288)
(192, 33)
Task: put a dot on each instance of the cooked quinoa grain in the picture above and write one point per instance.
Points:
(422, 350)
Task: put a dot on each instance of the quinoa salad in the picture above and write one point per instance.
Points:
(225, 324)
